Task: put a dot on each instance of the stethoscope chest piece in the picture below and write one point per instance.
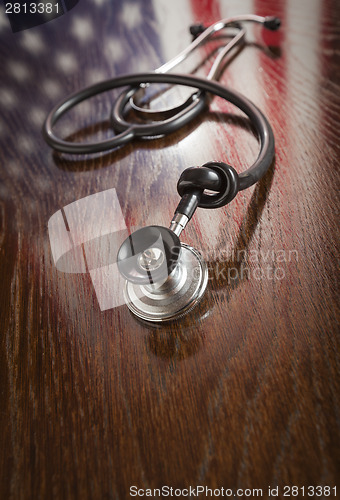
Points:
(165, 279)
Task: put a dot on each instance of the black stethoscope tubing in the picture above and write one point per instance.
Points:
(257, 118)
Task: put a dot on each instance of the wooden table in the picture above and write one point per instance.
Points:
(242, 393)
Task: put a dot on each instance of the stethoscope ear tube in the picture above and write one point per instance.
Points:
(184, 114)
(225, 182)
(257, 118)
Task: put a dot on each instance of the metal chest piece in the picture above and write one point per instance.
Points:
(165, 279)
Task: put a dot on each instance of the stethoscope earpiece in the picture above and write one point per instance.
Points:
(165, 279)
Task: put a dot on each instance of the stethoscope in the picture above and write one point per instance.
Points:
(164, 277)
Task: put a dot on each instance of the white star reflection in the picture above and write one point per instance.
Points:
(42, 183)
(67, 62)
(113, 49)
(14, 169)
(8, 98)
(18, 70)
(37, 116)
(32, 42)
(131, 15)
(25, 144)
(82, 29)
(94, 75)
(51, 88)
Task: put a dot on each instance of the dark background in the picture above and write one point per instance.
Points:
(24, 15)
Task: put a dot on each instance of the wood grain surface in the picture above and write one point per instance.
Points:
(244, 391)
